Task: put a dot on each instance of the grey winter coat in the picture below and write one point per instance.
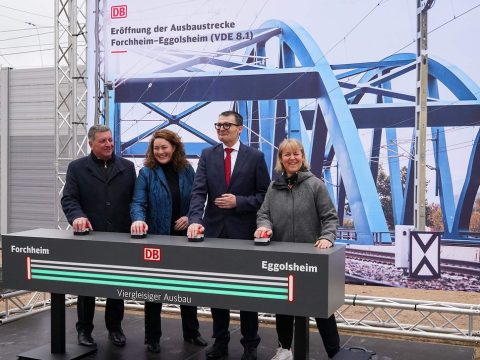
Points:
(303, 214)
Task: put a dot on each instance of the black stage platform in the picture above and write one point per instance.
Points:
(25, 334)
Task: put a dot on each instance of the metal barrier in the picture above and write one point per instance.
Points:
(452, 321)
(434, 320)
(470, 234)
(378, 238)
(442, 321)
(21, 303)
(347, 234)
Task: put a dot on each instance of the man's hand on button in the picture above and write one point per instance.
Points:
(81, 224)
(194, 230)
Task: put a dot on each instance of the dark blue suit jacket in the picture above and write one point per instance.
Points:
(106, 203)
(249, 183)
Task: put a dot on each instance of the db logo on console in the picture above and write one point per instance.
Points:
(151, 254)
(118, 11)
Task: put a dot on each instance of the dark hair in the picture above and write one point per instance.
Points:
(96, 129)
(179, 158)
(238, 117)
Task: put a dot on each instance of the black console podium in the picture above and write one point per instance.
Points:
(286, 278)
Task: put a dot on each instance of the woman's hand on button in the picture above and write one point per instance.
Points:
(323, 244)
(262, 231)
(139, 228)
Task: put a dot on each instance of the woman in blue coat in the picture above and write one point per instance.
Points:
(160, 204)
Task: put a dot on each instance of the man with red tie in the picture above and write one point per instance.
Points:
(233, 179)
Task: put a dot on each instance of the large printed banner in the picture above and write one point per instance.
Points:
(142, 38)
(178, 64)
(189, 41)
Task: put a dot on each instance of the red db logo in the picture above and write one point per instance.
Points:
(118, 12)
(151, 254)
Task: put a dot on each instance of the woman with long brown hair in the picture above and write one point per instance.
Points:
(160, 204)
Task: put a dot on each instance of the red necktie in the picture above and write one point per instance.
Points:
(228, 165)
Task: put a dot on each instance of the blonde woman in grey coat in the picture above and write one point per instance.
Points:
(297, 208)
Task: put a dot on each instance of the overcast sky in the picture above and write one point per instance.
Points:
(350, 31)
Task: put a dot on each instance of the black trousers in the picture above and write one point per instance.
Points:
(248, 321)
(248, 327)
(153, 322)
(86, 311)
(327, 328)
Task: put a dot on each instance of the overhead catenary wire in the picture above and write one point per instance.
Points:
(154, 48)
(38, 38)
(334, 46)
(185, 83)
(455, 17)
(431, 31)
(12, 18)
(25, 29)
(28, 46)
(343, 38)
(409, 140)
(26, 52)
(363, 20)
(26, 12)
(27, 36)
(356, 25)
(232, 54)
(448, 148)
(477, 94)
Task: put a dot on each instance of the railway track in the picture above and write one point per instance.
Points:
(451, 266)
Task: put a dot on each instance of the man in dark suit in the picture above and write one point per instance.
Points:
(233, 179)
(97, 196)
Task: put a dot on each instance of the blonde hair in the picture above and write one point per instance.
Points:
(293, 144)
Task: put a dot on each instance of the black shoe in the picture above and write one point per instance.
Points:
(117, 337)
(153, 347)
(196, 340)
(217, 352)
(333, 355)
(85, 339)
(249, 354)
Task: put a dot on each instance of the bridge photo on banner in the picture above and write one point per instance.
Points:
(354, 112)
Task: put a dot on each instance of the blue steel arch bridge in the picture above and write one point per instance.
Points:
(268, 95)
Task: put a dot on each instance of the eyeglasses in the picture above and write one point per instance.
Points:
(225, 125)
